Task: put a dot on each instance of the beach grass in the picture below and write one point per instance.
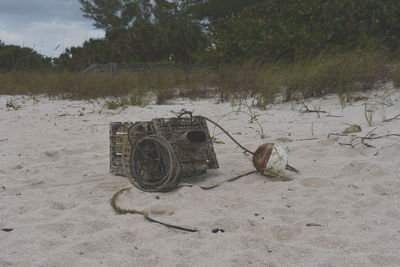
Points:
(341, 73)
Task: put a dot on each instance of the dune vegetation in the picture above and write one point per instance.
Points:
(295, 49)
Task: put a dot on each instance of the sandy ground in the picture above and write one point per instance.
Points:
(342, 209)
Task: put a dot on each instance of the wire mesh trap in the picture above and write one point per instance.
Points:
(157, 154)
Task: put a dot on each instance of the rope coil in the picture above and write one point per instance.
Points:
(153, 164)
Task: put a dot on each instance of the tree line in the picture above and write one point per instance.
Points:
(14, 57)
(221, 31)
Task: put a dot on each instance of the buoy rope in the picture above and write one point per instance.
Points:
(145, 214)
(230, 136)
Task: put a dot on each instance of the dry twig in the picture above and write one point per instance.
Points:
(394, 118)
(307, 110)
(362, 139)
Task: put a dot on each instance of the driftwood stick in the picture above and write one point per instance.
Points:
(307, 139)
(347, 144)
(334, 116)
(307, 110)
(314, 111)
(379, 137)
(341, 134)
(370, 132)
(394, 118)
(362, 139)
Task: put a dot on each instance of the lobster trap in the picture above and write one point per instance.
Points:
(157, 154)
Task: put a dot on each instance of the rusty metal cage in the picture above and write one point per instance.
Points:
(145, 151)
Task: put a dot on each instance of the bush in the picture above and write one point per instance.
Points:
(13, 57)
(296, 29)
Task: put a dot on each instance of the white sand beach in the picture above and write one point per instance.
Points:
(342, 209)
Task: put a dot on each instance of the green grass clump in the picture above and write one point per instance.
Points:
(112, 104)
(396, 75)
(341, 73)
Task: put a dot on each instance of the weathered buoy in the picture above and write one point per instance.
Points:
(270, 156)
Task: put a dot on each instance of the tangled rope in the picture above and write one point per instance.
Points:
(145, 214)
(153, 164)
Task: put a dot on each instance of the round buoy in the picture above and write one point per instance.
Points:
(270, 156)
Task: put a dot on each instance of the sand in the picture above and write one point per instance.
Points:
(342, 209)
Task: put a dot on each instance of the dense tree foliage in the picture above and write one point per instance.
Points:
(222, 31)
(276, 29)
(146, 30)
(209, 11)
(13, 57)
(240, 30)
(77, 58)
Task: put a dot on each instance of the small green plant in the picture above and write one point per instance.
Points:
(382, 109)
(369, 111)
(396, 76)
(137, 100)
(243, 106)
(240, 105)
(379, 104)
(11, 103)
(341, 94)
(34, 98)
(112, 104)
(215, 140)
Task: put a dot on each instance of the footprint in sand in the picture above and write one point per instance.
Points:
(54, 205)
(90, 247)
(384, 260)
(52, 154)
(284, 214)
(17, 167)
(51, 244)
(92, 227)
(282, 211)
(250, 241)
(317, 211)
(393, 214)
(314, 182)
(64, 229)
(329, 242)
(358, 167)
(387, 189)
(160, 209)
(284, 233)
(6, 263)
(129, 237)
(317, 153)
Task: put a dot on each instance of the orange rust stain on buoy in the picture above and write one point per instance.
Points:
(261, 156)
(270, 156)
